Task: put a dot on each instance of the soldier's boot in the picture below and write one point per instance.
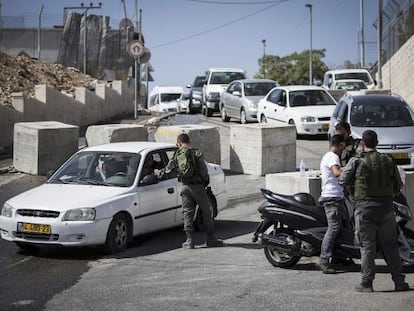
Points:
(189, 242)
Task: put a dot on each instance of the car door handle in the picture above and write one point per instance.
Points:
(170, 190)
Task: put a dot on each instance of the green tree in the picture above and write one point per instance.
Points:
(293, 69)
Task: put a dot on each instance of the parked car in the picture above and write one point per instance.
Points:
(239, 100)
(344, 74)
(184, 103)
(103, 195)
(352, 86)
(307, 107)
(217, 80)
(196, 94)
(388, 115)
(164, 98)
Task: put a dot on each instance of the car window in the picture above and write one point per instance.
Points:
(169, 97)
(353, 75)
(343, 112)
(99, 168)
(258, 88)
(381, 114)
(275, 96)
(237, 87)
(310, 98)
(226, 77)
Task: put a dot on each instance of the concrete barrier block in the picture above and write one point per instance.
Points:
(39, 147)
(292, 182)
(112, 100)
(260, 149)
(8, 117)
(127, 96)
(111, 133)
(31, 108)
(205, 138)
(93, 111)
(59, 106)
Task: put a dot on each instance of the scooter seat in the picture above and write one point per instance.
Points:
(300, 198)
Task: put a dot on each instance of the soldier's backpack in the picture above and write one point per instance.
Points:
(186, 162)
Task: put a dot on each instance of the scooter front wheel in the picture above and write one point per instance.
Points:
(278, 258)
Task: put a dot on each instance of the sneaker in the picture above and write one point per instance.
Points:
(326, 268)
(402, 287)
(364, 288)
(188, 244)
(215, 243)
(342, 261)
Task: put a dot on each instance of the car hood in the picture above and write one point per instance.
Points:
(255, 99)
(316, 111)
(388, 135)
(62, 197)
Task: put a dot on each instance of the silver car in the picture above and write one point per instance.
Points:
(239, 100)
(388, 115)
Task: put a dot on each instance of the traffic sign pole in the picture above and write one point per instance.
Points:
(135, 48)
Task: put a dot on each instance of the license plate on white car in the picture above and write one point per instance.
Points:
(33, 228)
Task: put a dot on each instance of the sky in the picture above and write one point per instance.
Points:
(186, 37)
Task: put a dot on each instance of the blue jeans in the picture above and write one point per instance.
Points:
(334, 209)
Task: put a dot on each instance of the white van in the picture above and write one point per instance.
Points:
(344, 74)
(217, 80)
(165, 98)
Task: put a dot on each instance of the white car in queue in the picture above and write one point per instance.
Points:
(307, 107)
(104, 195)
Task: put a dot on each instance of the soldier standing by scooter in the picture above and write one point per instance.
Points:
(375, 180)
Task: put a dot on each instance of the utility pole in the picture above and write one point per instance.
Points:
(379, 44)
(264, 57)
(310, 51)
(362, 39)
(39, 37)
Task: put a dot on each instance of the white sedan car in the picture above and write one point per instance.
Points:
(104, 195)
(307, 107)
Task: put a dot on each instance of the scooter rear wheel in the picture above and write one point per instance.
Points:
(278, 258)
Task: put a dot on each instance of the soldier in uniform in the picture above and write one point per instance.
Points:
(375, 180)
(351, 145)
(194, 193)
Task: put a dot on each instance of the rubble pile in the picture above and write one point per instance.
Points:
(22, 73)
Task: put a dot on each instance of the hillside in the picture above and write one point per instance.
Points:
(22, 73)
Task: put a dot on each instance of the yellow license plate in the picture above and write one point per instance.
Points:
(399, 156)
(325, 127)
(33, 228)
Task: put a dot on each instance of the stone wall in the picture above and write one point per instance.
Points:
(397, 72)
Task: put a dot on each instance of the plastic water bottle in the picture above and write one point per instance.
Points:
(302, 167)
(412, 160)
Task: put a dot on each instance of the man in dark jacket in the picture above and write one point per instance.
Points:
(375, 180)
(194, 193)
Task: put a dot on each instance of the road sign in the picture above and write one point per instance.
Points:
(135, 49)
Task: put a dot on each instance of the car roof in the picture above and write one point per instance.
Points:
(375, 98)
(347, 70)
(227, 69)
(131, 147)
(349, 80)
(254, 80)
(300, 87)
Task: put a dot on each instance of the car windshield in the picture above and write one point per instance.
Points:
(169, 97)
(258, 88)
(383, 114)
(310, 98)
(99, 169)
(226, 77)
(353, 75)
(199, 81)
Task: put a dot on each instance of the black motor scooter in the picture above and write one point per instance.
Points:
(294, 226)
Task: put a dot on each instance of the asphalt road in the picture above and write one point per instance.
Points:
(155, 273)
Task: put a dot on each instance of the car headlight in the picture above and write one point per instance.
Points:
(7, 210)
(79, 214)
(307, 119)
(252, 105)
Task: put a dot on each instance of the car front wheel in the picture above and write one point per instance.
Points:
(117, 236)
(224, 115)
(243, 117)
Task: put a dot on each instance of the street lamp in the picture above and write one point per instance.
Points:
(310, 52)
(263, 61)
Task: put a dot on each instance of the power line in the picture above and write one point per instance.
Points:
(275, 3)
(238, 2)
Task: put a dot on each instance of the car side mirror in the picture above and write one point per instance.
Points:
(283, 104)
(150, 179)
(237, 93)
